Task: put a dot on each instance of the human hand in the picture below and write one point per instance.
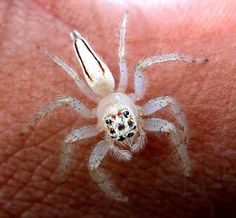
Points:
(153, 180)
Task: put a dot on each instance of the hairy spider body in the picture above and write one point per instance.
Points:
(118, 115)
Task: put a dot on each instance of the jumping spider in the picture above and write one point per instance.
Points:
(118, 116)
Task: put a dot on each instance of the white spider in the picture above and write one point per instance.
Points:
(118, 116)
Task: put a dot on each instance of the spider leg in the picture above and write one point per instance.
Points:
(139, 85)
(122, 62)
(157, 104)
(176, 136)
(75, 135)
(76, 105)
(99, 176)
(74, 75)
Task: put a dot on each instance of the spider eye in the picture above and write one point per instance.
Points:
(130, 134)
(130, 123)
(112, 131)
(121, 138)
(108, 121)
(126, 114)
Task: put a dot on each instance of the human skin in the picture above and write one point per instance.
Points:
(153, 180)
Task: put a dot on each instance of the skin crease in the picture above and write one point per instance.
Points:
(153, 180)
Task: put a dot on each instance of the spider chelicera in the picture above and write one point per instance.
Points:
(118, 116)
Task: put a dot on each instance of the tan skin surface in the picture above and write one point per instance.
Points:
(154, 181)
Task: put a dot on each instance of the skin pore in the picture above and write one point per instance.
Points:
(153, 180)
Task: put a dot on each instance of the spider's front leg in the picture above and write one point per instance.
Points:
(177, 138)
(99, 176)
(75, 135)
(139, 85)
(157, 104)
(76, 105)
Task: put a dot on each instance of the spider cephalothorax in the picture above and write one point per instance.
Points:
(118, 114)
